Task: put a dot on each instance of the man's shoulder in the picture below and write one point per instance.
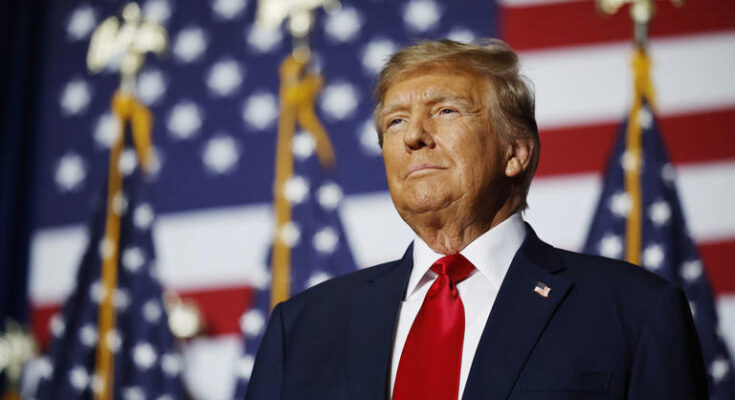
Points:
(338, 289)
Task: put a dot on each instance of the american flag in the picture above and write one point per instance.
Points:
(666, 245)
(146, 361)
(215, 99)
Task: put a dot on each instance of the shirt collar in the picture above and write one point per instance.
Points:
(491, 253)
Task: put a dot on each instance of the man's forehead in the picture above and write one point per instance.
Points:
(435, 83)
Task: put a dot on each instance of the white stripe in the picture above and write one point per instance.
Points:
(226, 247)
(592, 84)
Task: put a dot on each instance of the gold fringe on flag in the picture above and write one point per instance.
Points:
(642, 90)
(130, 111)
(298, 93)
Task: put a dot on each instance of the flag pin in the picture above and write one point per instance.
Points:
(542, 290)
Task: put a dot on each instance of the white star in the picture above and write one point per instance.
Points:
(44, 367)
(620, 204)
(245, 366)
(221, 154)
(326, 240)
(133, 258)
(260, 110)
(303, 146)
(252, 323)
(611, 246)
(296, 189)
(96, 292)
(144, 355)
(630, 160)
(81, 22)
(127, 162)
(228, 9)
(719, 369)
(152, 311)
(225, 77)
(691, 270)
(106, 248)
(653, 256)
(121, 299)
(79, 378)
(190, 44)
(462, 35)
(375, 54)
(660, 212)
(151, 86)
(106, 130)
(75, 97)
(339, 100)
(133, 393)
(645, 118)
(368, 137)
(171, 364)
(184, 120)
(143, 216)
(421, 15)
(329, 195)
(70, 172)
(119, 203)
(88, 335)
(289, 234)
(344, 25)
(668, 173)
(57, 325)
(261, 39)
(317, 277)
(113, 340)
(97, 383)
(157, 11)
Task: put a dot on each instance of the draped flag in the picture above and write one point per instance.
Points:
(112, 338)
(639, 218)
(309, 245)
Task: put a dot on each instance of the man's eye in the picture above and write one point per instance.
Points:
(395, 121)
(447, 111)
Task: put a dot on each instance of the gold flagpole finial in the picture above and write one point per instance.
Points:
(641, 12)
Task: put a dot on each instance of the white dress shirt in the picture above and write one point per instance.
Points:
(491, 254)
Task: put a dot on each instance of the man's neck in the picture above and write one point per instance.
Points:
(450, 232)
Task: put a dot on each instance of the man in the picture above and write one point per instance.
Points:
(478, 307)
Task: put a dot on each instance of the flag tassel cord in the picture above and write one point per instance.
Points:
(298, 94)
(128, 110)
(642, 91)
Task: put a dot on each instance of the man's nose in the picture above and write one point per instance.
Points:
(419, 134)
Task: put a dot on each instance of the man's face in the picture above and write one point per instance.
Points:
(439, 146)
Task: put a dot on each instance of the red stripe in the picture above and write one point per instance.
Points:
(718, 258)
(579, 23)
(690, 138)
(221, 310)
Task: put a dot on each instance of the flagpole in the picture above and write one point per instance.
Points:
(641, 13)
(297, 98)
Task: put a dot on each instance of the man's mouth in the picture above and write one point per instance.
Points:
(422, 168)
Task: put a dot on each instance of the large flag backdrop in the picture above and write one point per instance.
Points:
(215, 102)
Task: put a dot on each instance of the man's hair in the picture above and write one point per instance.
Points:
(512, 101)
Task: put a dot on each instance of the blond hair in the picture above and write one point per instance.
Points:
(511, 102)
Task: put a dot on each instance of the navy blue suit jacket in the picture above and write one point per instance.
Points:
(608, 330)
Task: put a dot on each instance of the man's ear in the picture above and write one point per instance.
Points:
(520, 155)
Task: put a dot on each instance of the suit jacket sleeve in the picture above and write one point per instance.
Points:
(668, 361)
(265, 381)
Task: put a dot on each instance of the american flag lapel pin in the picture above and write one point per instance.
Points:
(542, 290)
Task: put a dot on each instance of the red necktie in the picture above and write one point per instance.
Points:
(432, 356)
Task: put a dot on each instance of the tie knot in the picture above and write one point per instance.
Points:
(456, 266)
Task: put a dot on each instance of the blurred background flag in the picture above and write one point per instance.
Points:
(639, 218)
(112, 338)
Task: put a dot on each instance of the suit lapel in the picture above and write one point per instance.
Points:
(517, 319)
(373, 316)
